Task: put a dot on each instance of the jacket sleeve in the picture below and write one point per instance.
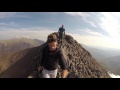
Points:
(59, 30)
(62, 60)
(42, 58)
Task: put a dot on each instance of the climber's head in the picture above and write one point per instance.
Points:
(52, 41)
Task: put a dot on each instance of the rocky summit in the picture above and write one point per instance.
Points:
(80, 62)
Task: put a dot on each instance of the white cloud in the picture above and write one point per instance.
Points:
(22, 16)
(7, 14)
(108, 21)
(91, 32)
(54, 13)
(97, 41)
(34, 33)
(110, 24)
(113, 75)
(115, 14)
(90, 22)
(84, 16)
(9, 24)
(13, 14)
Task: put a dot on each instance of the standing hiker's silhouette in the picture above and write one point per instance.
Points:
(61, 31)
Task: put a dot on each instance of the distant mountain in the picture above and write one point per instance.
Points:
(99, 52)
(9, 47)
(15, 45)
(96, 53)
(109, 59)
(114, 64)
(80, 62)
(115, 58)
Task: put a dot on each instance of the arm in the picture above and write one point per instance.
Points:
(64, 73)
(59, 30)
(40, 67)
(41, 63)
(63, 65)
(42, 59)
(43, 56)
(64, 32)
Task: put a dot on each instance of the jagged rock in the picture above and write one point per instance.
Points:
(80, 62)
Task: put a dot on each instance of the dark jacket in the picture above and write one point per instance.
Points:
(51, 59)
(61, 30)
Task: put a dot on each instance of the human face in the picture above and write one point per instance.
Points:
(52, 45)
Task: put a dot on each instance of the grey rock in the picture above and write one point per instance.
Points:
(80, 62)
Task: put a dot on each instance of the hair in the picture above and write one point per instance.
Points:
(51, 38)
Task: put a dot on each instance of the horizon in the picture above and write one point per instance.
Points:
(96, 29)
(96, 47)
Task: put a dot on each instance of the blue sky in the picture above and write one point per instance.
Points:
(90, 28)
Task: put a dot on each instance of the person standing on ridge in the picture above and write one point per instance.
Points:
(52, 56)
(61, 31)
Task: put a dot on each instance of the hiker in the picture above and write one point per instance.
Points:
(52, 56)
(61, 31)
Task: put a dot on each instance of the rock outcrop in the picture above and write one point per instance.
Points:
(80, 62)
